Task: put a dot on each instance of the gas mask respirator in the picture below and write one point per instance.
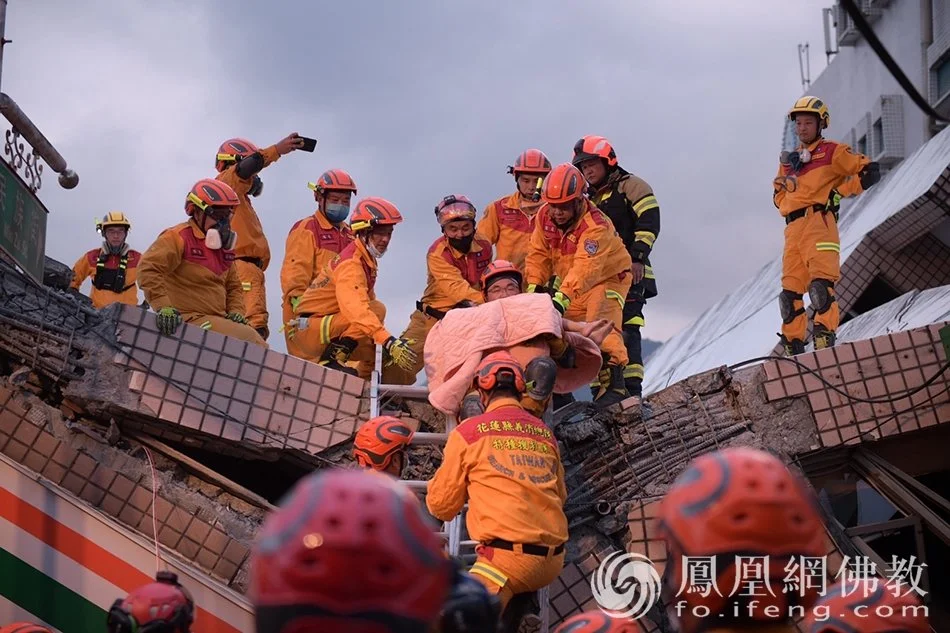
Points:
(220, 235)
(257, 186)
(796, 160)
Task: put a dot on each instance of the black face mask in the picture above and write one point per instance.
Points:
(257, 186)
(462, 244)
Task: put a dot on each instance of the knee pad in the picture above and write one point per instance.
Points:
(540, 374)
(821, 295)
(786, 305)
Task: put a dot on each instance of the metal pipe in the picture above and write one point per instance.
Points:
(926, 39)
(405, 391)
(603, 508)
(420, 439)
(38, 141)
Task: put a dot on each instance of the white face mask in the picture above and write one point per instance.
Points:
(372, 250)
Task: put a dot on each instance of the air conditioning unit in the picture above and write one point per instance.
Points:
(888, 132)
(845, 29)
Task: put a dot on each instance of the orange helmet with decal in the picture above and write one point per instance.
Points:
(233, 150)
(594, 147)
(379, 440)
(372, 212)
(498, 269)
(499, 368)
(333, 180)
(530, 161)
(739, 500)
(210, 193)
(163, 605)
(563, 184)
(454, 207)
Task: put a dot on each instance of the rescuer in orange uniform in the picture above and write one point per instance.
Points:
(164, 605)
(739, 501)
(508, 222)
(113, 266)
(349, 551)
(455, 263)
(867, 605)
(187, 274)
(238, 162)
(314, 241)
(506, 464)
(809, 182)
(596, 622)
(630, 204)
(339, 317)
(380, 444)
(575, 241)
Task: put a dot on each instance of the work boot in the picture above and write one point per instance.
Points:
(613, 389)
(471, 406)
(520, 608)
(337, 353)
(823, 337)
(793, 347)
(263, 332)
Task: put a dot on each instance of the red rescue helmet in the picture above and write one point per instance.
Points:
(233, 150)
(333, 180)
(24, 627)
(530, 161)
(739, 500)
(454, 207)
(372, 212)
(208, 193)
(500, 269)
(596, 622)
(348, 550)
(499, 369)
(883, 609)
(563, 184)
(594, 147)
(163, 606)
(379, 440)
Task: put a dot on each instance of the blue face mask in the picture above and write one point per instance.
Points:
(337, 212)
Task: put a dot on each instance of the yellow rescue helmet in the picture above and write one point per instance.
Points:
(811, 105)
(113, 218)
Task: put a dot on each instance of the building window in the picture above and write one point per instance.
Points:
(877, 138)
(862, 145)
(943, 78)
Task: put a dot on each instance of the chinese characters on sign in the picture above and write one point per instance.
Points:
(23, 222)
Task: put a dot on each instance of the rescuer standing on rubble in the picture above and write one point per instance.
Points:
(575, 241)
(113, 266)
(187, 274)
(739, 501)
(238, 162)
(339, 317)
(164, 605)
(630, 204)
(507, 223)
(314, 241)
(806, 191)
(381, 444)
(505, 463)
(454, 265)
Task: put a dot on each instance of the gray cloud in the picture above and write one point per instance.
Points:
(418, 100)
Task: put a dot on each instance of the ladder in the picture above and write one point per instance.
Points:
(452, 530)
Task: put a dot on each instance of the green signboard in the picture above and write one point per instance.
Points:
(23, 222)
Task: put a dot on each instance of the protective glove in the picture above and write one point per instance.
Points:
(561, 302)
(400, 354)
(870, 175)
(466, 304)
(168, 319)
(542, 290)
(237, 317)
(294, 325)
(294, 302)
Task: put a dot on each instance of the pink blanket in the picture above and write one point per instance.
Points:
(457, 343)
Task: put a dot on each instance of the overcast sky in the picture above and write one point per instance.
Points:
(418, 100)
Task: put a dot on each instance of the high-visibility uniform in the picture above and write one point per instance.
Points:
(507, 223)
(252, 252)
(453, 277)
(312, 243)
(506, 464)
(341, 303)
(113, 276)
(630, 204)
(812, 245)
(594, 268)
(179, 271)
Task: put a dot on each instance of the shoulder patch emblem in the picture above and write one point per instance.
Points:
(590, 246)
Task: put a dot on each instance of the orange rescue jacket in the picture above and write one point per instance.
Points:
(454, 277)
(506, 464)
(251, 242)
(345, 286)
(588, 254)
(312, 243)
(113, 276)
(179, 271)
(507, 223)
(830, 166)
